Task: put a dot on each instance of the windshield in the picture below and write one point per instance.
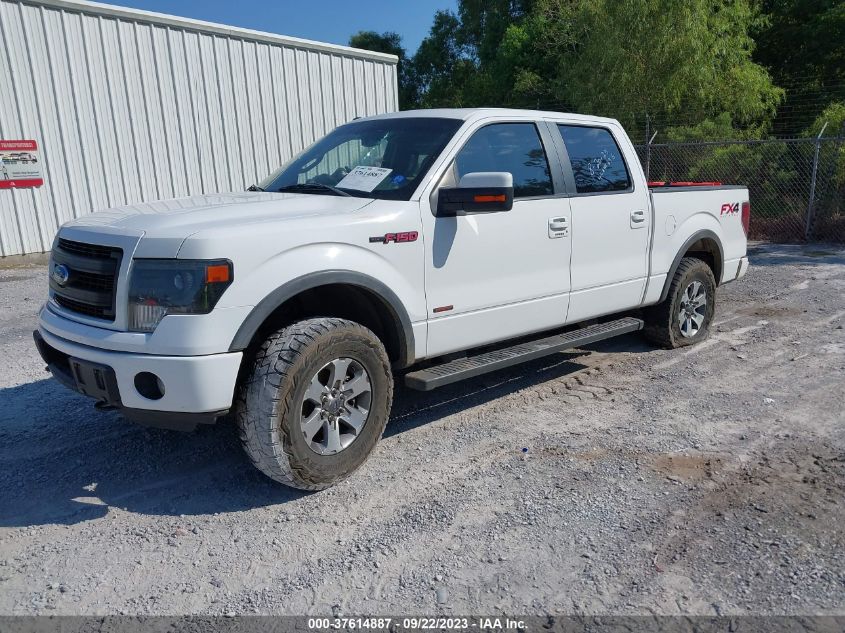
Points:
(380, 158)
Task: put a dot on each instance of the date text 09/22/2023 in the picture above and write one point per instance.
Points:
(416, 623)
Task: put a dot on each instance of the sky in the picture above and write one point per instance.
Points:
(322, 20)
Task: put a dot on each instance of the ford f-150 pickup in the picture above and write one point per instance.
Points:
(431, 245)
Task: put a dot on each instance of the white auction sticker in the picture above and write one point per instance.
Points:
(364, 178)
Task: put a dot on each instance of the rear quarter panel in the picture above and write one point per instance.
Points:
(681, 213)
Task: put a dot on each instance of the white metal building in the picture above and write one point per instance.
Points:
(129, 106)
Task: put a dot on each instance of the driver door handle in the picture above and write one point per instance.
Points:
(558, 227)
(637, 219)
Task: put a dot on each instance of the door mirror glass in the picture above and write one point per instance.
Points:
(477, 192)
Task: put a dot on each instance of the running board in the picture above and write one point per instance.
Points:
(462, 368)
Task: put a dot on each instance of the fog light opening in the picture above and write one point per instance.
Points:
(149, 385)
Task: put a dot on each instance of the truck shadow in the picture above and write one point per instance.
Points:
(65, 463)
(413, 409)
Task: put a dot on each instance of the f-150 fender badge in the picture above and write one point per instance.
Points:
(398, 238)
(730, 208)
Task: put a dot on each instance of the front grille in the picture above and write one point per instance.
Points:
(86, 250)
(91, 281)
(97, 312)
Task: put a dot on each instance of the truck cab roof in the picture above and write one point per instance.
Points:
(468, 114)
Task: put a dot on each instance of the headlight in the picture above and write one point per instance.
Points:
(158, 287)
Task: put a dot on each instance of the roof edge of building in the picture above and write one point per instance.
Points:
(97, 8)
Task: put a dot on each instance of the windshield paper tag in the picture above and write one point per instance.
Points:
(364, 178)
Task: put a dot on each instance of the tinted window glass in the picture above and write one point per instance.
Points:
(511, 147)
(596, 160)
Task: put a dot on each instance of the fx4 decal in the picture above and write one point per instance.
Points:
(406, 236)
(730, 208)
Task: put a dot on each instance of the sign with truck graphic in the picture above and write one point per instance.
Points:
(19, 164)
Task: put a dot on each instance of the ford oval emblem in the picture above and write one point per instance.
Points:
(60, 274)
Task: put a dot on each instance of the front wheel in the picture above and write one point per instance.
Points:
(316, 402)
(684, 317)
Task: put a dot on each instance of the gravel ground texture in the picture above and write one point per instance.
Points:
(619, 479)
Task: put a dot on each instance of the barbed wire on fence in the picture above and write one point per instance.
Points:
(803, 104)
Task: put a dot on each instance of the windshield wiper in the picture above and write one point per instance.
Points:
(312, 187)
(255, 188)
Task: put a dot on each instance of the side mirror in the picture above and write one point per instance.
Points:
(478, 192)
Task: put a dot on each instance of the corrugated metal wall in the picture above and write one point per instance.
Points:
(129, 106)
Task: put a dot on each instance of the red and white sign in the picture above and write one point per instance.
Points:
(19, 164)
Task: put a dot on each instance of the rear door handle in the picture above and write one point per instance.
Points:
(558, 227)
(637, 219)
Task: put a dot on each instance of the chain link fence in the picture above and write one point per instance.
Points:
(797, 186)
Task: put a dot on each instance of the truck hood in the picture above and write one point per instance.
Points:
(165, 225)
(189, 215)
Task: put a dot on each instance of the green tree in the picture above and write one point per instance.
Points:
(442, 64)
(834, 117)
(468, 58)
(719, 127)
(681, 61)
(390, 42)
(802, 44)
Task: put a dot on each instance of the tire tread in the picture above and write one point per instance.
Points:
(659, 320)
(264, 438)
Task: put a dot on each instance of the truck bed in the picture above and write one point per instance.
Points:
(684, 210)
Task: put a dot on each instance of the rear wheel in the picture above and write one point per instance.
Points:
(316, 402)
(684, 317)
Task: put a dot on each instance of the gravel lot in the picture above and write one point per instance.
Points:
(626, 480)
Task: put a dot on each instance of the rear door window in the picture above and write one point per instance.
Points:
(510, 147)
(596, 160)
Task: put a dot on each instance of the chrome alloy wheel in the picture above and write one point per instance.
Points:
(693, 309)
(336, 406)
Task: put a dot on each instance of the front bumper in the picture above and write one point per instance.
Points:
(196, 389)
(176, 335)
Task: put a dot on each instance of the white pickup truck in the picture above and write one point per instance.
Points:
(436, 245)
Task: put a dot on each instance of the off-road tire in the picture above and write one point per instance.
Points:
(661, 321)
(269, 401)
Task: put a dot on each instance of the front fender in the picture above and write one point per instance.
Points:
(275, 281)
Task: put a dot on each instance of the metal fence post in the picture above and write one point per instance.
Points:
(648, 156)
(648, 141)
(809, 221)
(840, 142)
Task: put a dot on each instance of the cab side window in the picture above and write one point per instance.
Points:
(596, 161)
(511, 147)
